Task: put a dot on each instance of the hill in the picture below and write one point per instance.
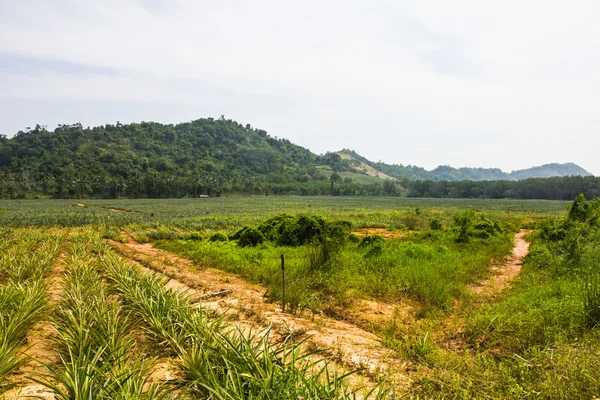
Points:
(206, 156)
(149, 159)
(447, 173)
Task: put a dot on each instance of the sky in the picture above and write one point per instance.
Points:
(504, 84)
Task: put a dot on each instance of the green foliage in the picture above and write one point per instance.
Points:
(162, 235)
(580, 209)
(195, 237)
(354, 238)
(591, 295)
(249, 237)
(436, 224)
(290, 230)
(467, 226)
(370, 241)
(218, 237)
(217, 361)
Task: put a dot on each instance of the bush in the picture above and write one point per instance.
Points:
(195, 237)
(162, 235)
(371, 240)
(353, 238)
(539, 257)
(290, 230)
(466, 227)
(302, 231)
(218, 237)
(591, 296)
(436, 224)
(250, 237)
(273, 227)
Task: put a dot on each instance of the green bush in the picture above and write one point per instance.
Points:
(467, 226)
(218, 237)
(162, 235)
(371, 240)
(250, 237)
(290, 230)
(195, 237)
(353, 238)
(436, 224)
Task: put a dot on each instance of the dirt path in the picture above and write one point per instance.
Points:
(503, 274)
(40, 345)
(385, 232)
(483, 292)
(345, 342)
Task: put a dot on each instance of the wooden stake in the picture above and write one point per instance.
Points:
(283, 283)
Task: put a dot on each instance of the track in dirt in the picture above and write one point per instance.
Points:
(484, 291)
(348, 344)
(504, 273)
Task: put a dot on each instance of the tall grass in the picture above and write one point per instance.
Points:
(431, 268)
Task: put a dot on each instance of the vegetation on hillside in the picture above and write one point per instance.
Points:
(152, 160)
(213, 157)
(447, 173)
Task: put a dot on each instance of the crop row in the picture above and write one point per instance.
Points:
(24, 261)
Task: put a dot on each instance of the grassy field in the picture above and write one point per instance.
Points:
(100, 299)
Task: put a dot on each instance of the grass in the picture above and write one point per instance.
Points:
(220, 361)
(538, 339)
(429, 267)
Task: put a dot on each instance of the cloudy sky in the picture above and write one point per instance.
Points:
(506, 84)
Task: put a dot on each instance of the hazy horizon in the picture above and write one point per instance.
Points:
(501, 85)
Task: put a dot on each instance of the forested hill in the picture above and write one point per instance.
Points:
(208, 156)
(446, 173)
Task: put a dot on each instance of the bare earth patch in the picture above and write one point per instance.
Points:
(381, 232)
(348, 344)
(504, 273)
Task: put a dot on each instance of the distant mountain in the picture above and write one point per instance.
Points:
(448, 173)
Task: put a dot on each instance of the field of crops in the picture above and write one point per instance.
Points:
(384, 298)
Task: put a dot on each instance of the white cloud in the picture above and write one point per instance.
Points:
(502, 84)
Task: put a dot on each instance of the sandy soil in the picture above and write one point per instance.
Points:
(504, 273)
(385, 232)
(347, 343)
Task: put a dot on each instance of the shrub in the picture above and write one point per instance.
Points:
(373, 245)
(303, 231)
(371, 240)
(539, 257)
(467, 227)
(250, 237)
(195, 237)
(162, 235)
(591, 296)
(353, 238)
(436, 224)
(218, 237)
(273, 227)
